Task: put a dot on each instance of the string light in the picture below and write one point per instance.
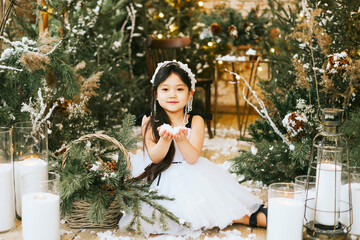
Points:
(260, 69)
(301, 14)
(220, 62)
(159, 36)
(237, 77)
(272, 50)
(172, 27)
(201, 3)
(210, 44)
(161, 15)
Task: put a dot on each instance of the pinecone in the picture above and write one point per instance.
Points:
(215, 29)
(338, 62)
(109, 166)
(246, 24)
(232, 31)
(294, 123)
(62, 105)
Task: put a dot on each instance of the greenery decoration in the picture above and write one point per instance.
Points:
(90, 172)
(227, 26)
(314, 56)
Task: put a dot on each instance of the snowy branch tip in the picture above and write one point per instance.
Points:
(262, 111)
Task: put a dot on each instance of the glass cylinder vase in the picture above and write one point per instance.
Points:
(7, 200)
(30, 154)
(286, 201)
(309, 183)
(40, 207)
(351, 197)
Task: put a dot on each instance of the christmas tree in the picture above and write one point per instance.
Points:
(315, 54)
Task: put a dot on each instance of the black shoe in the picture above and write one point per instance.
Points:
(253, 217)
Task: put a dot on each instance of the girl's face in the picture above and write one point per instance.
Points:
(173, 94)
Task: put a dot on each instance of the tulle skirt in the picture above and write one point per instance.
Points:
(206, 196)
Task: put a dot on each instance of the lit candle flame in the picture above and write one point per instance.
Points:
(39, 196)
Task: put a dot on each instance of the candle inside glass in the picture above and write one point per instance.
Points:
(286, 201)
(40, 207)
(7, 203)
(31, 164)
(40, 216)
(328, 184)
(7, 200)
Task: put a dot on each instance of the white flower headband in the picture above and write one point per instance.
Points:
(182, 66)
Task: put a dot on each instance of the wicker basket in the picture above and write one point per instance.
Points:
(80, 208)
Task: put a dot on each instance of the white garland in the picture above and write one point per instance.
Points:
(182, 66)
(263, 112)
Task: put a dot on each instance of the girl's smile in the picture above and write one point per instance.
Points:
(173, 94)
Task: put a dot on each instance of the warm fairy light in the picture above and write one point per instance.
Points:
(210, 44)
(260, 69)
(161, 15)
(201, 3)
(237, 77)
(301, 14)
(220, 62)
(172, 27)
(272, 50)
(159, 36)
(50, 10)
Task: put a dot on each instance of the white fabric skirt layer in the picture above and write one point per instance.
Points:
(205, 194)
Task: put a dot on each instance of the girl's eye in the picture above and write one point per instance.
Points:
(164, 89)
(180, 89)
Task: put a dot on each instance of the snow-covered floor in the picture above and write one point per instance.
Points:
(222, 147)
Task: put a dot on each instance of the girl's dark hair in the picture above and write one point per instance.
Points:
(160, 117)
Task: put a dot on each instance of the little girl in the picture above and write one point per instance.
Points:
(205, 195)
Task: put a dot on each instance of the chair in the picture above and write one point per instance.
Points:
(159, 50)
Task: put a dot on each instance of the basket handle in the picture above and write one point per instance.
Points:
(106, 138)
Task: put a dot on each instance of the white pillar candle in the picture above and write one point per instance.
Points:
(40, 216)
(328, 184)
(7, 203)
(28, 165)
(285, 219)
(344, 207)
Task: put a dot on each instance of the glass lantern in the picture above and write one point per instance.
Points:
(330, 166)
(30, 155)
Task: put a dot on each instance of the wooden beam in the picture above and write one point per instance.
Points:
(43, 19)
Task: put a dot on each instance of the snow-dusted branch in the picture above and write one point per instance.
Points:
(123, 29)
(262, 111)
(54, 48)
(17, 44)
(37, 116)
(10, 68)
(132, 14)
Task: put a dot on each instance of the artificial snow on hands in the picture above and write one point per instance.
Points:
(169, 128)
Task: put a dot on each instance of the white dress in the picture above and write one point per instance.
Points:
(206, 195)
